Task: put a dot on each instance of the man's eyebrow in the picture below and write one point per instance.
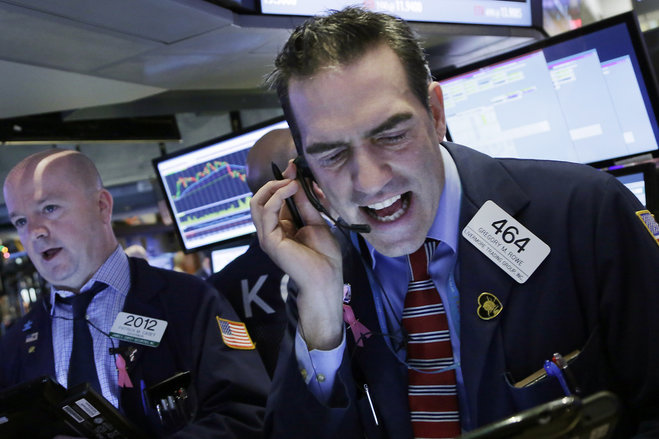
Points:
(389, 123)
(318, 147)
(40, 202)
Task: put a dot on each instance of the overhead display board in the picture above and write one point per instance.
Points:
(492, 12)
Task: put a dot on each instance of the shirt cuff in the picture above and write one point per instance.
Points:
(318, 367)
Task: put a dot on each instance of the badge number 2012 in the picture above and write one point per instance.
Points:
(505, 241)
(135, 328)
(140, 322)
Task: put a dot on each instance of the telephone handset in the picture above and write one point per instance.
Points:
(304, 175)
(297, 219)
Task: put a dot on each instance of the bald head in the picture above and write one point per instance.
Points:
(275, 146)
(77, 166)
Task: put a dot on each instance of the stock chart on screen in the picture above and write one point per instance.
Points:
(207, 191)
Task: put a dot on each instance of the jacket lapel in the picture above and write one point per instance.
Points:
(387, 376)
(481, 348)
(141, 300)
(37, 357)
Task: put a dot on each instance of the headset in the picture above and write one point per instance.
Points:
(305, 177)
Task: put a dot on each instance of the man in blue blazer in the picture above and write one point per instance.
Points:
(252, 283)
(62, 214)
(533, 258)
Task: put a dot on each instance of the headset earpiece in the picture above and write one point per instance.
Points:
(305, 177)
(303, 168)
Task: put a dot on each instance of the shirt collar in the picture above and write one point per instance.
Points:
(114, 272)
(444, 227)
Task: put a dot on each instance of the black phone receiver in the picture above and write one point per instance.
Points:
(297, 219)
(304, 174)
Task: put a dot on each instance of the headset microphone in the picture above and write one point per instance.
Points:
(358, 228)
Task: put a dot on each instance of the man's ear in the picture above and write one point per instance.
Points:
(322, 198)
(437, 109)
(319, 193)
(105, 203)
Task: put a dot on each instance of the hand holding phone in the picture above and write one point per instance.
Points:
(297, 219)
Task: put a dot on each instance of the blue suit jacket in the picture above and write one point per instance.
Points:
(597, 291)
(229, 386)
(253, 284)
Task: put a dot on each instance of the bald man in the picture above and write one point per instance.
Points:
(255, 286)
(62, 213)
(274, 146)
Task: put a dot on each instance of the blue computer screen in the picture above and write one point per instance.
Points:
(636, 184)
(585, 96)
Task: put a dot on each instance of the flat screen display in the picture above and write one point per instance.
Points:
(641, 180)
(636, 184)
(206, 191)
(584, 96)
(495, 12)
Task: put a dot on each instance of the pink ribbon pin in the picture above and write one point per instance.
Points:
(359, 331)
(124, 379)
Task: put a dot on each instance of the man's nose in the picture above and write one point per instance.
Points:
(37, 230)
(370, 172)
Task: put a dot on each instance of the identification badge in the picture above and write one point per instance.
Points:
(505, 241)
(138, 329)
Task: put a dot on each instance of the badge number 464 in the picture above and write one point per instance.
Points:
(505, 241)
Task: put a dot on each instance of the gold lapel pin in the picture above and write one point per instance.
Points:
(488, 306)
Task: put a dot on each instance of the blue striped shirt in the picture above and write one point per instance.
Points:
(102, 312)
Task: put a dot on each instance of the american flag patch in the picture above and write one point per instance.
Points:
(650, 223)
(234, 334)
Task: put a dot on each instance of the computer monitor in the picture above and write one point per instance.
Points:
(491, 12)
(586, 96)
(205, 188)
(641, 180)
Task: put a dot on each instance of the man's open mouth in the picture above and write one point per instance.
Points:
(390, 209)
(50, 253)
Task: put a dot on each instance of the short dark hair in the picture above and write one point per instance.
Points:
(339, 39)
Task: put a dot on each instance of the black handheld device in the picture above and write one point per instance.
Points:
(297, 219)
(569, 417)
(42, 408)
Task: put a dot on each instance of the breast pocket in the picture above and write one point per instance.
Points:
(584, 375)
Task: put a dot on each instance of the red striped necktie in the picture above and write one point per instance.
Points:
(432, 396)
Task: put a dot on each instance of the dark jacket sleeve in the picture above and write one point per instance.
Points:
(294, 412)
(231, 384)
(628, 263)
